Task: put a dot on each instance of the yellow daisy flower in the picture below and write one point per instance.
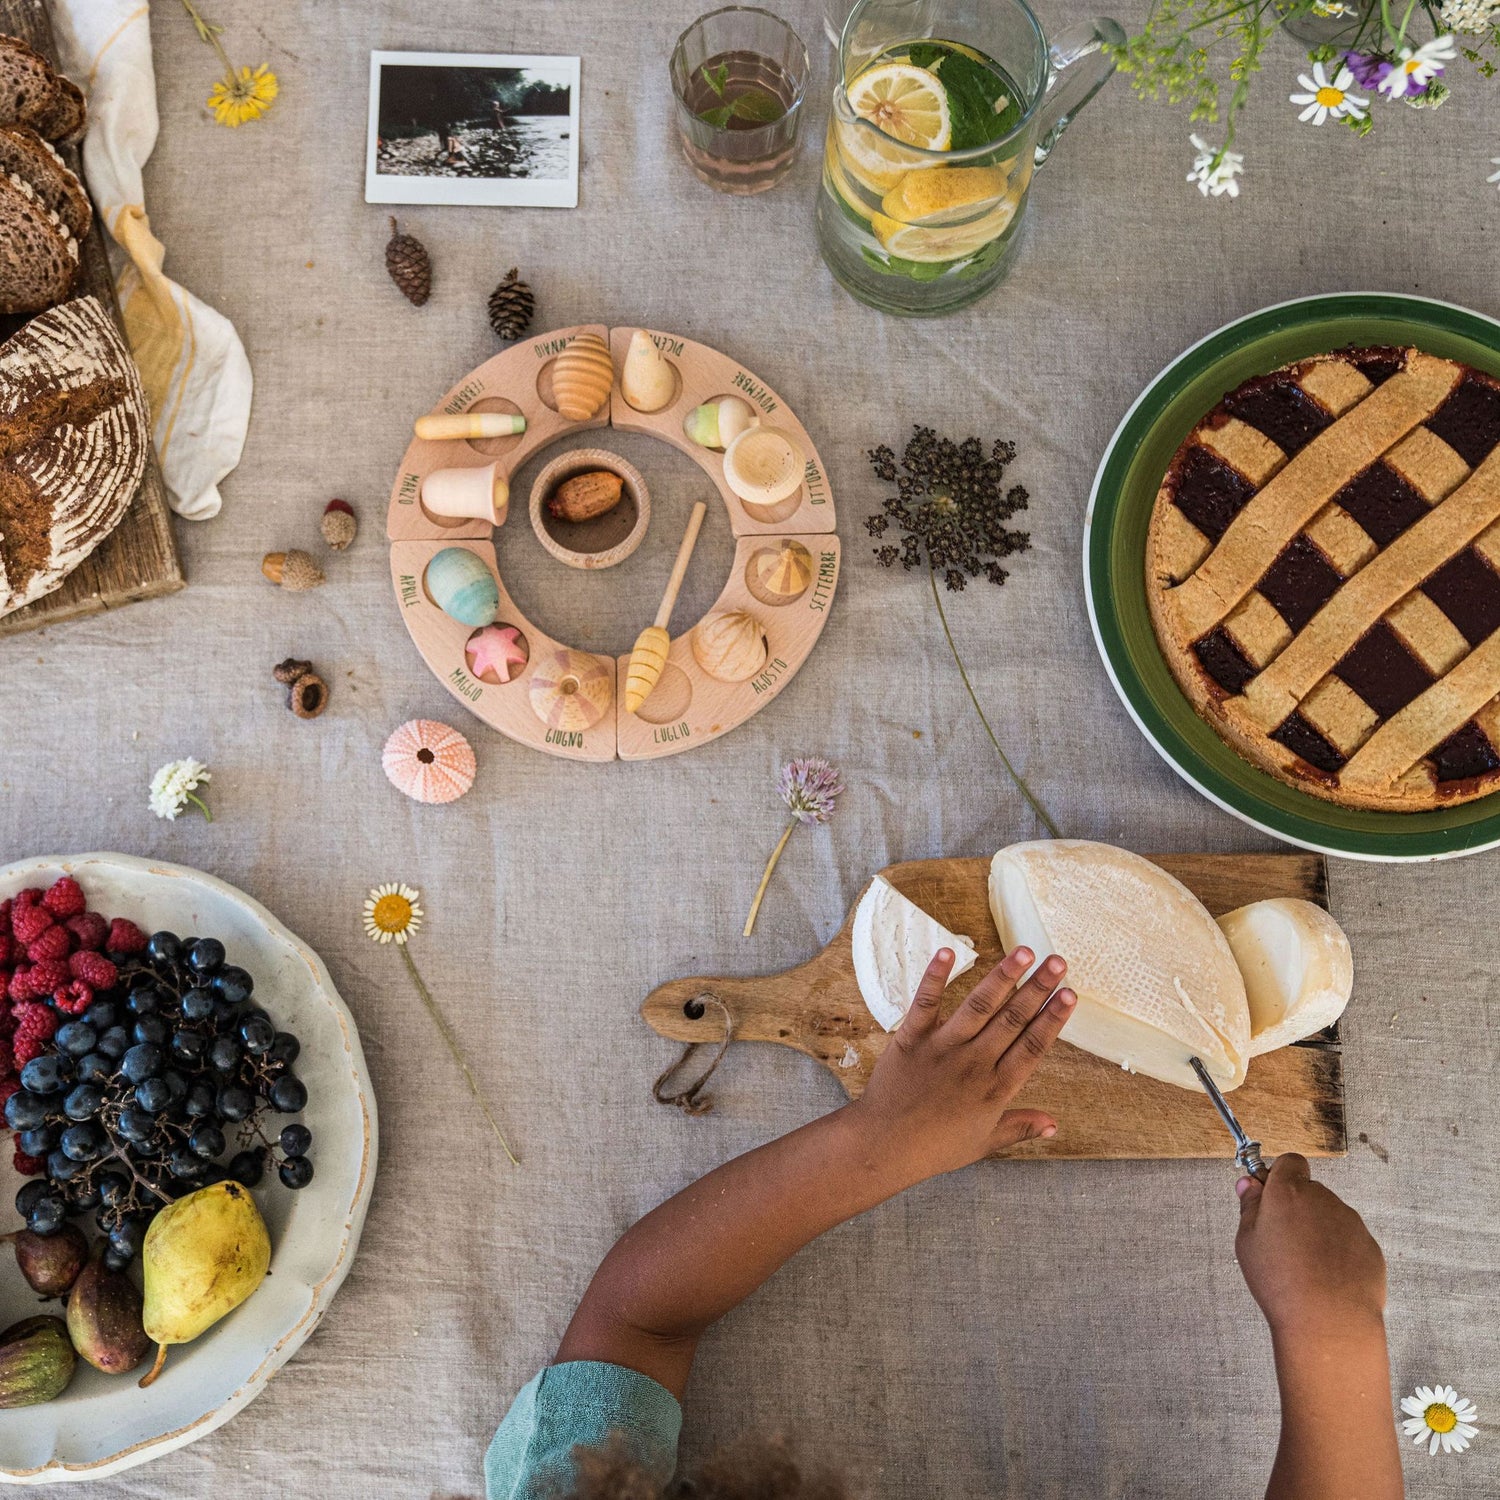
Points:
(242, 96)
(392, 913)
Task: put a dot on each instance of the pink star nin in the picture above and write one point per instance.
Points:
(497, 648)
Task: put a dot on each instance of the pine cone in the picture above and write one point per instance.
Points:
(511, 307)
(410, 266)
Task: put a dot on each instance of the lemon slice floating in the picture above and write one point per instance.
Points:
(941, 194)
(932, 245)
(906, 104)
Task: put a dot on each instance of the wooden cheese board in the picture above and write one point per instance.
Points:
(688, 707)
(138, 559)
(1292, 1099)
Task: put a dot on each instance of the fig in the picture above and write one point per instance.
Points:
(36, 1362)
(51, 1264)
(104, 1318)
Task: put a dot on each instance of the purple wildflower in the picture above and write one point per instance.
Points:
(1369, 68)
(809, 788)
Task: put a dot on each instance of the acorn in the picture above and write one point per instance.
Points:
(294, 570)
(338, 524)
(306, 692)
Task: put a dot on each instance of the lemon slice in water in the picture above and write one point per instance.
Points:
(906, 104)
(933, 245)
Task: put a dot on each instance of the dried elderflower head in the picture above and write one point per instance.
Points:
(951, 507)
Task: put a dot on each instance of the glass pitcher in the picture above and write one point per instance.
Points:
(942, 110)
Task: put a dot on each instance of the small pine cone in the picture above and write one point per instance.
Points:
(511, 307)
(294, 570)
(338, 524)
(410, 266)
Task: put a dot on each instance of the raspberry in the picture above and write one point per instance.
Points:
(125, 937)
(7, 1088)
(30, 896)
(20, 987)
(65, 898)
(55, 942)
(7, 1069)
(7, 946)
(75, 997)
(94, 969)
(51, 974)
(28, 923)
(29, 1166)
(89, 930)
(27, 1047)
(5, 907)
(37, 1023)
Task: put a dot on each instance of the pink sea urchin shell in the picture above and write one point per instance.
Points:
(429, 761)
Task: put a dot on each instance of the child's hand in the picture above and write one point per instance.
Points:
(937, 1098)
(1306, 1255)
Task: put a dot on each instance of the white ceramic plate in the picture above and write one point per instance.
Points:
(102, 1424)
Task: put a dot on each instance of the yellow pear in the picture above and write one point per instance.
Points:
(204, 1254)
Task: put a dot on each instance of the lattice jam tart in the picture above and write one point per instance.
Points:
(1323, 568)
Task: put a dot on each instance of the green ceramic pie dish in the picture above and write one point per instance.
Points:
(1114, 550)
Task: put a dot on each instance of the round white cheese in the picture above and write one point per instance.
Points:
(894, 941)
(1297, 966)
(1155, 979)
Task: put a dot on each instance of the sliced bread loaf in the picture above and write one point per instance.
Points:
(74, 430)
(28, 83)
(63, 118)
(24, 153)
(38, 257)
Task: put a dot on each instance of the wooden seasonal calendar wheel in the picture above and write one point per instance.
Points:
(567, 701)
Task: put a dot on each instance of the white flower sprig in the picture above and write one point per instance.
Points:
(173, 786)
(1440, 1417)
(1416, 67)
(1215, 172)
(1329, 100)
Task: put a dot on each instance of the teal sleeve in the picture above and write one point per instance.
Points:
(579, 1404)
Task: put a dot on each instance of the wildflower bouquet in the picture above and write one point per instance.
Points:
(1357, 50)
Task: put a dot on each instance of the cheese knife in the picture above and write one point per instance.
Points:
(1247, 1153)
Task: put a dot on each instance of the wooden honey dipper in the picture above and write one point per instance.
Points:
(652, 644)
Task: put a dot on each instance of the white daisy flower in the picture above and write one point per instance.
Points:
(1215, 171)
(1415, 70)
(173, 785)
(392, 913)
(1325, 100)
(1438, 1414)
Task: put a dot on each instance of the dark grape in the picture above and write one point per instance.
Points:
(296, 1171)
(40, 1141)
(212, 1173)
(127, 1237)
(33, 1190)
(235, 1102)
(205, 955)
(47, 1215)
(184, 1165)
(197, 1004)
(115, 1043)
(76, 1037)
(25, 1110)
(82, 1142)
(142, 1061)
(114, 1260)
(177, 1085)
(285, 1049)
(295, 1139)
(152, 1030)
(146, 1000)
(94, 1067)
(288, 1094)
(153, 1095)
(206, 1141)
(114, 1187)
(257, 1032)
(164, 948)
(248, 1167)
(61, 1167)
(137, 1125)
(47, 1074)
(83, 1101)
(200, 1099)
(233, 985)
(83, 1195)
(101, 1015)
(188, 1046)
(224, 1055)
(226, 1016)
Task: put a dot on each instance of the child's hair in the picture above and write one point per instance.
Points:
(751, 1470)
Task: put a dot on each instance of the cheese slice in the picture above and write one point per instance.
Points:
(894, 941)
(1297, 966)
(1155, 978)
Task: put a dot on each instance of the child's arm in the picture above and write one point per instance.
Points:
(936, 1101)
(1319, 1278)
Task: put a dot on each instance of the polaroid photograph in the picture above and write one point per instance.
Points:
(449, 127)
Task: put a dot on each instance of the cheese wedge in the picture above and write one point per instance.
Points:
(1297, 967)
(894, 941)
(1155, 978)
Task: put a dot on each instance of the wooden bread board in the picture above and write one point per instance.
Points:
(138, 559)
(1291, 1100)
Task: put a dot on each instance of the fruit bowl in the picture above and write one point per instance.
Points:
(102, 1424)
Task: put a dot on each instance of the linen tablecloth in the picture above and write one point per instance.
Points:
(1021, 1330)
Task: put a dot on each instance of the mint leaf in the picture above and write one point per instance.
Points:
(758, 105)
(973, 94)
(924, 54)
(716, 78)
(717, 118)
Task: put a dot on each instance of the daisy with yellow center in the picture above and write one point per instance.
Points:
(392, 913)
(242, 96)
(1329, 98)
(1439, 1417)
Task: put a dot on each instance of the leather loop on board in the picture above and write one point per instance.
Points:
(686, 1099)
